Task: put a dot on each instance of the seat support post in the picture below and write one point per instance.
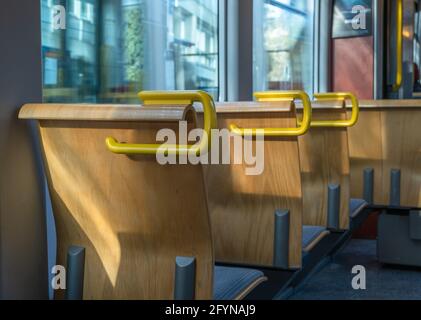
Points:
(185, 278)
(395, 187)
(333, 206)
(368, 193)
(281, 239)
(75, 273)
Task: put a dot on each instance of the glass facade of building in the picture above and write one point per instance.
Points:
(283, 45)
(112, 49)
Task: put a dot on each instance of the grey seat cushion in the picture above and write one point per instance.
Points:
(231, 283)
(356, 206)
(310, 234)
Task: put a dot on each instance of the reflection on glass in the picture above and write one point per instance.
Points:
(112, 49)
(283, 45)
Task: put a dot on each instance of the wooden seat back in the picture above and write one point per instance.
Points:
(324, 158)
(388, 137)
(242, 207)
(133, 215)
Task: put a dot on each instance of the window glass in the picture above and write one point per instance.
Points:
(283, 45)
(112, 49)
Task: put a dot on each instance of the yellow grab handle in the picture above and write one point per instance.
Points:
(399, 45)
(171, 98)
(280, 132)
(342, 96)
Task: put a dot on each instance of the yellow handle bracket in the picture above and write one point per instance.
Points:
(273, 96)
(338, 123)
(399, 46)
(169, 98)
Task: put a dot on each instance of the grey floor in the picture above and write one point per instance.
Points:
(334, 281)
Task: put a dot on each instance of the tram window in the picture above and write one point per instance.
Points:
(112, 49)
(417, 48)
(283, 45)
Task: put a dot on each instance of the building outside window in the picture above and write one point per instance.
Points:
(112, 49)
(283, 45)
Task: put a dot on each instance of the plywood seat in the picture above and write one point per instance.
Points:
(144, 228)
(300, 168)
(324, 156)
(232, 283)
(333, 137)
(245, 209)
(386, 140)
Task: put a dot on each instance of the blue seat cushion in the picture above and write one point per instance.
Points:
(356, 206)
(231, 283)
(310, 234)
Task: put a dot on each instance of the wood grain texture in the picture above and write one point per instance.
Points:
(98, 112)
(401, 140)
(395, 138)
(366, 151)
(323, 105)
(389, 104)
(131, 214)
(324, 158)
(387, 137)
(314, 243)
(242, 207)
(250, 107)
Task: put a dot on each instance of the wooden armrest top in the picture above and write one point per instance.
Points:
(104, 112)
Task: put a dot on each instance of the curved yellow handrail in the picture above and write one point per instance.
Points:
(171, 98)
(399, 46)
(272, 96)
(342, 96)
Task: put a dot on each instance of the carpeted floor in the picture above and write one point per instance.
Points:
(334, 282)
